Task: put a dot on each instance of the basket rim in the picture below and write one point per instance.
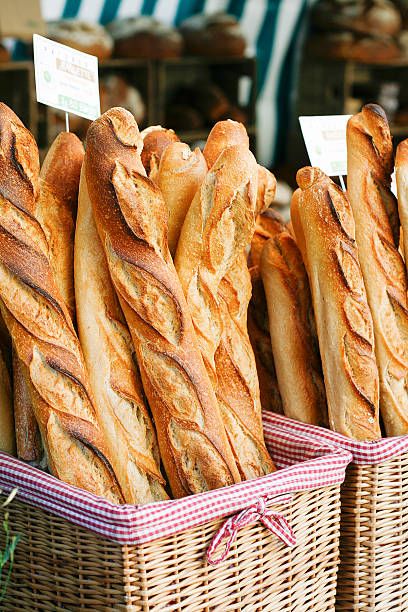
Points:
(306, 465)
(364, 453)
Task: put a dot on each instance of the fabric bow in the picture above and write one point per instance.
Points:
(274, 521)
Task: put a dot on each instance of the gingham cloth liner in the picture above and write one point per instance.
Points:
(364, 453)
(321, 466)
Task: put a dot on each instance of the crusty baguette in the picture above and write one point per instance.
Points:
(324, 227)
(224, 134)
(230, 133)
(56, 211)
(28, 440)
(181, 172)
(293, 332)
(7, 437)
(40, 326)
(401, 175)
(130, 216)
(109, 356)
(209, 257)
(268, 224)
(155, 141)
(369, 168)
(266, 189)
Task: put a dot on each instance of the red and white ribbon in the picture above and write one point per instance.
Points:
(274, 521)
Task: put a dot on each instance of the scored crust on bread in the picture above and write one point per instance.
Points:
(401, 175)
(110, 359)
(40, 326)
(369, 166)
(323, 223)
(130, 216)
(212, 268)
(28, 439)
(181, 172)
(297, 361)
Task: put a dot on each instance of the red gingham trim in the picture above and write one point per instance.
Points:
(308, 465)
(364, 453)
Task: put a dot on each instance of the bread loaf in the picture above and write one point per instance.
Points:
(401, 175)
(369, 167)
(212, 268)
(56, 209)
(181, 172)
(293, 332)
(7, 437)
(224, 134)
(40, 326)
(109, 356)
(324, 227)
(266, 189)
(130, 216)
(268, 225)
(155, 140)
(28, 439)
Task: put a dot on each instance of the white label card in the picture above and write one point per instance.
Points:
(325, 139)
(65, 78)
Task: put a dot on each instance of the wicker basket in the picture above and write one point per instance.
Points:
(373, 572)
(62, 565)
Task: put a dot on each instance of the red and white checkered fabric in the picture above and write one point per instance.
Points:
(308, 465)
(364, 453)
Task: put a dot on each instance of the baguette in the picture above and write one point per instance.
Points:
(324, 227)
(40, 326)
(181, 172)
(130, 216)
(155, 140)
(401, 175)
(369, 167)
(56, 211)
(211, 265)
(109, 356)
(28, 439)
(266, 189)
(268, 225)
(7, 437)
(297, 362)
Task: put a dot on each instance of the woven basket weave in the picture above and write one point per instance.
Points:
(373, 571)
(60, 566)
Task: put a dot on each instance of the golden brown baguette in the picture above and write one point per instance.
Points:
(293, 332)
(28, 440)
(109, 356)
(224, 134)
(218, 226)
(181, 172)
(56, 211)
(40, 326)
(369, 167)
(155, 141)
(324, 227)
(130, 216)
(7, 436)
(266, 189)
(401, 175)
(268, 224)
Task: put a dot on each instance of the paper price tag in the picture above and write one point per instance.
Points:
(65, 78)
(325, 140)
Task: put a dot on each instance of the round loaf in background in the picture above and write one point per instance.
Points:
(213, 35)
(145, 38)
(87, 37)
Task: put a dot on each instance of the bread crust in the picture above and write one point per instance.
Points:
(324, 227)
(130, 215)
(181, 172)
(28, 440)
(293, 332)
(401, 175)
(40, 326)
(7, 435)
(369, 166)
(155, 141)
(110, 359)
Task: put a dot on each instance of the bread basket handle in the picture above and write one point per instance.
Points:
(274, 521)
